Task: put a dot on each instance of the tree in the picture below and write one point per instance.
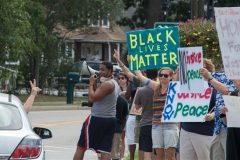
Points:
(180, 11)
(26, 32)
(14, 37)
(145, 15)
(80, 13)
(13, 29)
(201, 33)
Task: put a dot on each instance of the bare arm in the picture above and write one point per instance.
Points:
(34, 91)
(152, 84)
(100, 92)
(216, 84)
(124, 68)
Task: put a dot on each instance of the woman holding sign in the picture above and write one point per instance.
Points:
(164, 135)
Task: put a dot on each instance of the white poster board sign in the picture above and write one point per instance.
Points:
(186, 107)
(233, 105)
(228, 29)
(190, 61)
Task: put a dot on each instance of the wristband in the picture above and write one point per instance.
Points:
(210, 78)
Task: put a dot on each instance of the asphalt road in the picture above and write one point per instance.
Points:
(65, 126)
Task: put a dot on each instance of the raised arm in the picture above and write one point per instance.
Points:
(152, 84)
(34, 91)
(124, 68)
(216, 84)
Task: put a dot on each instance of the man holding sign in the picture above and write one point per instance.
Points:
(233, 135)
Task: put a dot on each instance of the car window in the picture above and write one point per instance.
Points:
(10, 117)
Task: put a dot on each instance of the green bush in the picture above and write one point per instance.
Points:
(203, 33)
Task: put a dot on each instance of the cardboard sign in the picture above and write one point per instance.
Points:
(233, 105)
(190, 61)
(228, 29)
(186, 107)
(153, 48)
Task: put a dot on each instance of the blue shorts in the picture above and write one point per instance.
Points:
(97, 134)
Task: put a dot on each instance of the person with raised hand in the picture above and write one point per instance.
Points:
(164, 135)
(34, 91)
(133, 122)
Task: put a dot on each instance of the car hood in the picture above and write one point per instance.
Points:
(10, 140)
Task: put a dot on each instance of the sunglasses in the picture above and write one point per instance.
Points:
(121, 78)
(163, 75)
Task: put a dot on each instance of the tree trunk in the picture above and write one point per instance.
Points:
(194, 9)
(154, 12)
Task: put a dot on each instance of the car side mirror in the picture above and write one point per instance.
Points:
(44, 133)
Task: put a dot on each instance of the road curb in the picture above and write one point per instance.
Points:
(58, 107)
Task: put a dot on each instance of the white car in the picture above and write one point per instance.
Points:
(18, 141)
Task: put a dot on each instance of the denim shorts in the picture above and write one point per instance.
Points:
(165, 135)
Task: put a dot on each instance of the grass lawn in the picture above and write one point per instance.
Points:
(135, 157)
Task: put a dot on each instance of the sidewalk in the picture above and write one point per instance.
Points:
(48, 106)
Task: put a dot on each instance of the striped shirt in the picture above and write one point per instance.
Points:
(158, 106)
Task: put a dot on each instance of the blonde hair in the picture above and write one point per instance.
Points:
(209, 64)
(157, 91)
(166, 68)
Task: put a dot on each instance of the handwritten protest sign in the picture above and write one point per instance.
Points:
(153, 48)
(228, 29)
(232, 104)
(190, 61)
(186, 107)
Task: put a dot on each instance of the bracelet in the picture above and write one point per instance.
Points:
(210, 78)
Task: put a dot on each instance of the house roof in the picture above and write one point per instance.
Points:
(92, 34)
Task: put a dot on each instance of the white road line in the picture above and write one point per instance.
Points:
(59, 147)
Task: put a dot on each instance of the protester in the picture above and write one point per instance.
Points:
(218, 144)
(233, 138)
(121, 115)
(164, 135)
(123, 81)
(195, 137)
(132, 124)
(98, 129)
(144, 100)
(34, 91)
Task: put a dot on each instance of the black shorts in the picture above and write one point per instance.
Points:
(233, 144)
(97, 134)
(145, 138)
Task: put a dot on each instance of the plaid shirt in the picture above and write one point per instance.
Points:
(221, 77)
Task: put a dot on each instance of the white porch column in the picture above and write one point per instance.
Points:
(109, 52)
(118, 48)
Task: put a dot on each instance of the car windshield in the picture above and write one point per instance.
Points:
(10, 118)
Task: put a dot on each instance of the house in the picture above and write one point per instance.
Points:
(94, 43)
